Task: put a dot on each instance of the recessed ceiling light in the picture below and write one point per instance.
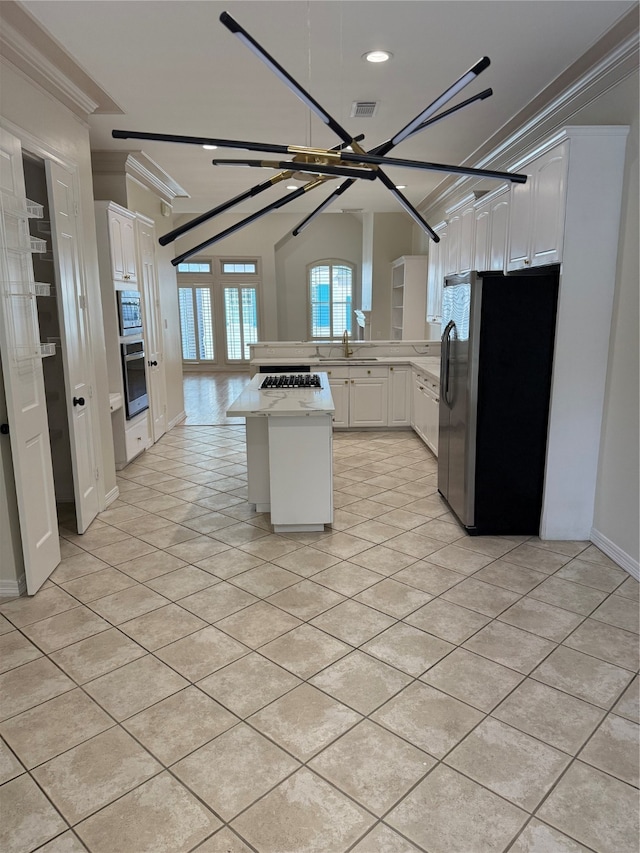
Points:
(377, 55)
(210, 147)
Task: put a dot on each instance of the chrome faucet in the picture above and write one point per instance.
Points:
(345, 342)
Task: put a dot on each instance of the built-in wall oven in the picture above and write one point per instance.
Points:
(136, 398)
(129, 312)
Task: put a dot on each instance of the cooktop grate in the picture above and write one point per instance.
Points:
(289, 380)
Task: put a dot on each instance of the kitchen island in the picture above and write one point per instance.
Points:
(289, 452)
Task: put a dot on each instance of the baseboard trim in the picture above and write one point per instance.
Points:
(175, 421)
(624, 560)
(111, 496)
(13, 588)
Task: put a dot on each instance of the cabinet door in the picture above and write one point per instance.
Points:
(437, 255)
(340, 393)
(549, 193)
(153, 330)
(431, 410)
(399, 396)
(481, 241)
(129, 251)
(122, 246)
(499, 230)
(452, 254)
(465, 252)
(520, 224)
(368, 402)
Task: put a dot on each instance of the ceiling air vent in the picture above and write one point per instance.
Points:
(364, 109)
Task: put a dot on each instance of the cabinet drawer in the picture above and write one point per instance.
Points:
(379, 372)
(337, 372)
(136, 437)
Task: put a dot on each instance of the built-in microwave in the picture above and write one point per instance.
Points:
(129, 312)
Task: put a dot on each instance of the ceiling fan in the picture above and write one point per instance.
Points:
(348, 160)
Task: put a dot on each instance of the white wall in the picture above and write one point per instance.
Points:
(392, 238)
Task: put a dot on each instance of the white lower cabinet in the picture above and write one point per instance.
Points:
(360, 395)
(130, 438)
(399, 396)
(425, 414)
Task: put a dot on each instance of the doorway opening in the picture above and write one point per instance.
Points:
(47, 297)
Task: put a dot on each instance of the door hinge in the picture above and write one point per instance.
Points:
(76, 209)
(81, 301)
(90, 390)
(97, 473)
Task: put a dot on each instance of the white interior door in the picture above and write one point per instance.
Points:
(23, 376)
(76, 355)
(153, 330)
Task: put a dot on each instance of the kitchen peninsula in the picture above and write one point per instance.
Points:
(289, 452)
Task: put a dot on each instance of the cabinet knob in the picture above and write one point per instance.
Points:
(78, 401)
(126, 277)
(328, 373)
(391, 368)
(346, 381)
(368, 371)
(527, 262)
(4, 429)
(353, 381)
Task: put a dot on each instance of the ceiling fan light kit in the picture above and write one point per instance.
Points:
(316, 166)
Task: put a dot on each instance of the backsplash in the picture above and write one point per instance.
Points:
(335, 349)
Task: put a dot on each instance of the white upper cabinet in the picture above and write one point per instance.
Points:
(537, 210)
(408, 297)
(122, 244)
(491, 214)
(460, 238)
(435, 278)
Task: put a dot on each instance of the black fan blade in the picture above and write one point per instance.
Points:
(170, 236)
(486, 93)
(376, 160)
(235, 28)
(446, 96)
(242, 144)
(294, 166)
(325, 204)
(275, 205)
(410, 209)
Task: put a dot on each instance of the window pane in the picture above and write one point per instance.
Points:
(249, 318)
(230, 268)
(187, 324)
(204, 267)
(205, 323)
(232, 323)
(330, 298)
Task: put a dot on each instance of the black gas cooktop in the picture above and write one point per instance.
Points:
(290, 380)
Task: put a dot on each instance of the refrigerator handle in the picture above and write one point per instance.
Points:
(446, 340)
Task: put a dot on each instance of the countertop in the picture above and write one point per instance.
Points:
(426, 364)
(254, 402)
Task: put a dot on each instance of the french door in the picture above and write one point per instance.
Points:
(218, 322)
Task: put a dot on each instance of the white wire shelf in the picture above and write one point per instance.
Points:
(34, 210)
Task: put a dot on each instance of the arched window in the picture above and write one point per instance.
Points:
(330, 299)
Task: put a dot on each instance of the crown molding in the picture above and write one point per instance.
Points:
(610, 61)
(140, 167)
(29, 49)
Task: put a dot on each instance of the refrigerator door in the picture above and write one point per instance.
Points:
(456, 443)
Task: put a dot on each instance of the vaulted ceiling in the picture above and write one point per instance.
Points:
(171, 67)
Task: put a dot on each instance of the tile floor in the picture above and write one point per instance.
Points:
(188, 681)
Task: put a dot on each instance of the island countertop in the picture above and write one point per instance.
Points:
(254, 402)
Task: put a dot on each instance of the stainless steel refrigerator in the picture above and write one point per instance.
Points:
(497, 358)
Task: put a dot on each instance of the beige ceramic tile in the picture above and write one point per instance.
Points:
(305, 650)
(304, 721)
(382, 838)
(179, 724)
(95, 773)
(604, 578)
(65, 843)
(346, 578)
(97, 655)
(127, 549)
(65, 628)
(382, 559)
(614, 749)
(229, 563)
(447, 621)
(473, 679)
(595, 809)
(15, 650)
(537, 837)
(29, 819)
(27, 610)
(88, 588)
(540, 559)
(429, 719)
(448, 813)
(583, 676)
(629, 589)
(224, 841)
(571, 596)
(182, 582)
(407, 648)
(393, 598)
(509, 576)
(29, 685)
(162, 626)
(360, 681)
(353, 622)
(545, 620)
(303, 813)
(620, 612)
(459, 560)
(483, 597)
(248, 684)
(305, 599)
(429, 578)
(217, 602)
(162, 811)
(257, 624)
(10, 767)
(628, 705)
(134, 687)
(306, 561)
(551, 715)
(606, 642)
(128, 603)
(265, 580)
(151, 566)
(269, 547)
(75, 567)
(202, 652)
(252, 765)
(508, 762)
(372, 765)
(510, 646)
(44, 731)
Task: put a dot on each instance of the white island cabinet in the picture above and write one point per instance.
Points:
(289, 453)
